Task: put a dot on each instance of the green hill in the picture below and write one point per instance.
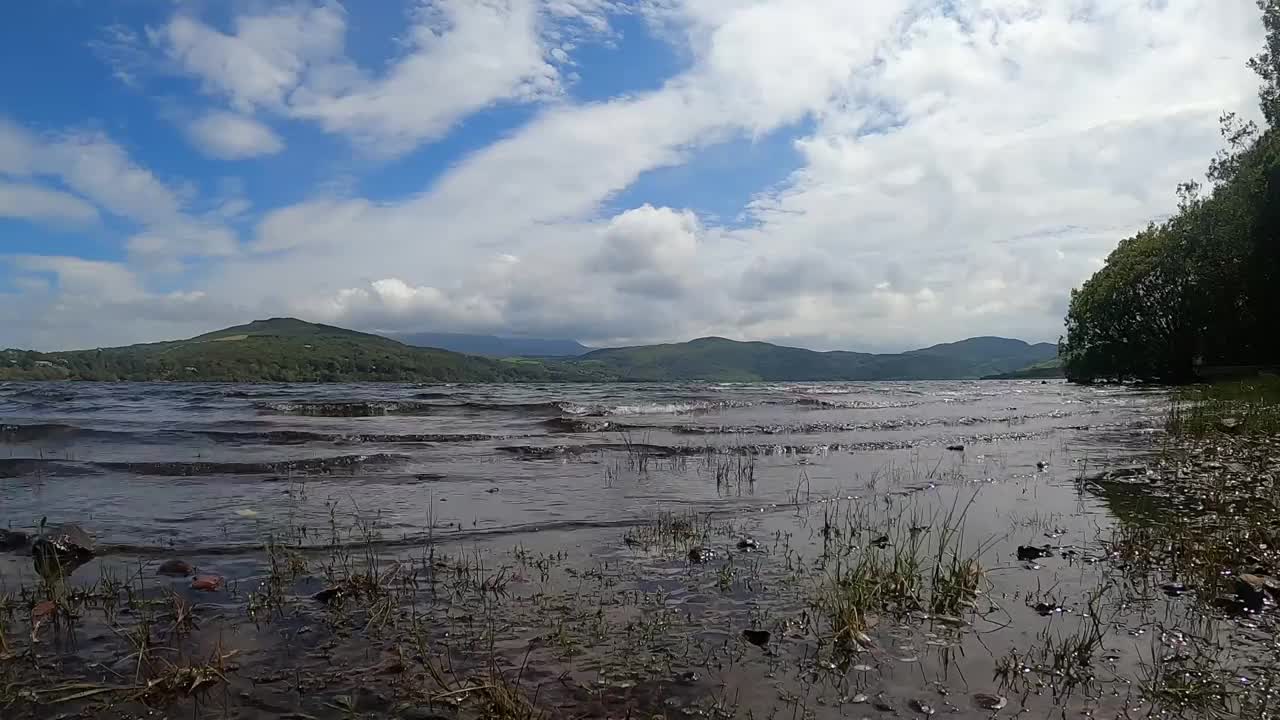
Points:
(279, 350)
(721, 360)
(289, 350)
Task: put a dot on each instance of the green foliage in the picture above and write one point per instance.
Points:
(280, 350)
(1202, 286)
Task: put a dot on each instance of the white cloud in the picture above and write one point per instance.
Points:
(103, 176)
(460, 56)
(960, 167)
(32, 202)
(229, 136)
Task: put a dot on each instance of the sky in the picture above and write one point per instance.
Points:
(834, 174)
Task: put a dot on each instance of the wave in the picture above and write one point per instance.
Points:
(352, 408)
(300, 437)
(305, 466)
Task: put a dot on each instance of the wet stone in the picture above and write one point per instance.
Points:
(988, 701)
(13, 540)
(700, 555)
(175, 568)
(1030, 552)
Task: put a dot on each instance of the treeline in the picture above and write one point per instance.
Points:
(1203, 287)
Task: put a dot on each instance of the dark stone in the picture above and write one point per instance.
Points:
(492, 490)
(748, 544)
(881, 542)
(1029, 552)
(12, 540)
(365, 700)
(1046, 609)
(701, 555)
(1042, 465)
(61, 549)
(759, 638)
(175, 568)
(1229, 425)
(1252, 590)
(956, 448)
(328, 595)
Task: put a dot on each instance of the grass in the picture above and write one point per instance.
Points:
(911, 563)
(1244, 407)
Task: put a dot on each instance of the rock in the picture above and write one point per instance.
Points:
(492, 490)
(43, 611)
(365, 700)
(759, 638)
(1041, 465)
(1252, 590)
(328, 595)
(956, 448)
(748, 544)
(988, 701)
(1030, 552)
(206, 583)
(701, 555)
(922, 707)
(175, 568)
(61, 549)
(881, 542)
(1046, 609)
(12, 540)
(1229, 425)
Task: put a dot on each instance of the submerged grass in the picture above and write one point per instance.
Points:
(1246, 407)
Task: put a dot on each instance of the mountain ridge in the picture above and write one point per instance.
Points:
(292, 350)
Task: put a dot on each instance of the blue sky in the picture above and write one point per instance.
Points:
(831, 174)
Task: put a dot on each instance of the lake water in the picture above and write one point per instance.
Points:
(205, 472)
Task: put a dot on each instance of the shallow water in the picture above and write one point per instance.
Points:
(206, 472)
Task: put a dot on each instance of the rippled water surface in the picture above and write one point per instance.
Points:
(150, 465)
(206, 471)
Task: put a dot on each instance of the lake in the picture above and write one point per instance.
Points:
(599, 548)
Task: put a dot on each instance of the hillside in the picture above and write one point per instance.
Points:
(278, 350)
(289, 350)
(493, 346)
(718, 359)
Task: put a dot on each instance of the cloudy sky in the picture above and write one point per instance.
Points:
(860, 174)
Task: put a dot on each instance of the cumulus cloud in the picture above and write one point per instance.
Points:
(229, 136)
(459, 56)
(32, 202)
(960, 166)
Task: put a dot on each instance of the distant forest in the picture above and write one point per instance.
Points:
(1203, 287)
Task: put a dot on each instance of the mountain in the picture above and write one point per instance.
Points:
(290, 350)
(718, 359)
(493, 346)
(279, 350)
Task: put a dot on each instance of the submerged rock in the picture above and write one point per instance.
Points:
(175, 568)
(62, 549)
(206, 583)
(1030, 552)
(757, 637)
(988, 701)
(11, 540)
(701, 555)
